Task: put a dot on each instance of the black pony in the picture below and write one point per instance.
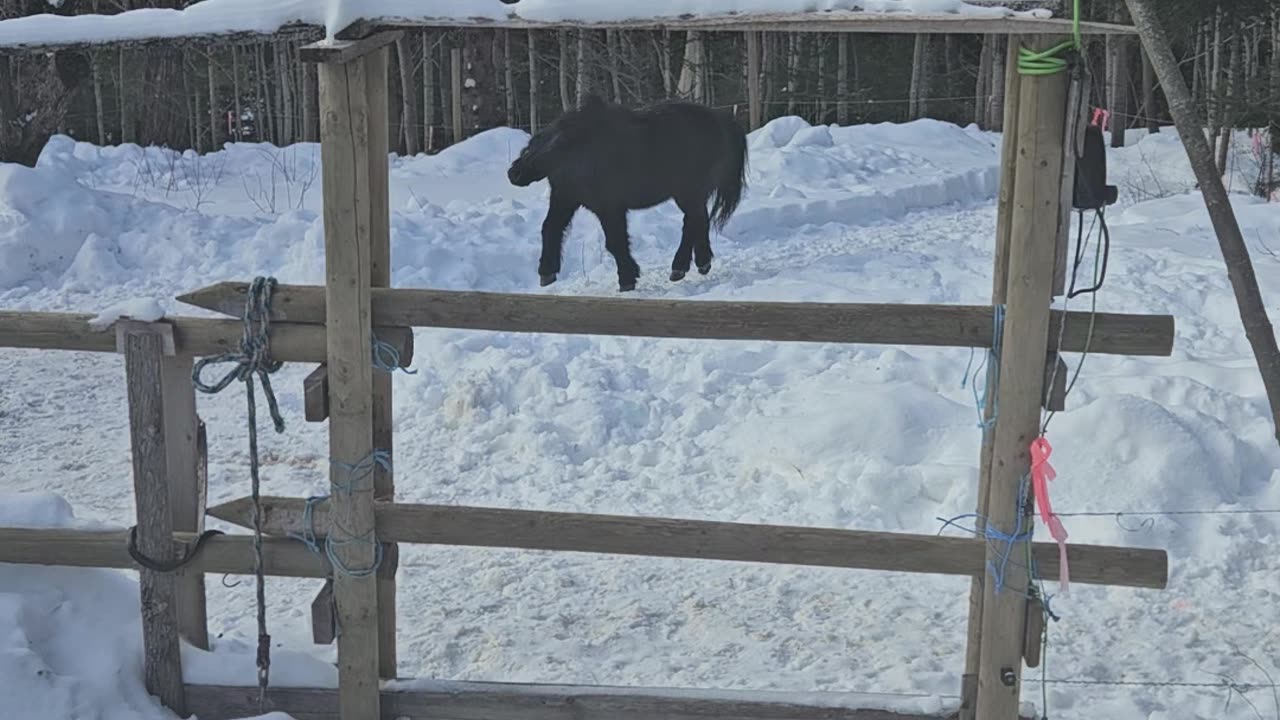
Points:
(610, 159)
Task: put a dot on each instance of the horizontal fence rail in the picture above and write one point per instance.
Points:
(879, 324)
(516, 701)
(701, 539)
(290, 342)
(226, 554)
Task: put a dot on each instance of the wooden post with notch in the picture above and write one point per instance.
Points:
(1037, 193)
(145, 346)
(187, 478)
(999, 288)
(344, 140)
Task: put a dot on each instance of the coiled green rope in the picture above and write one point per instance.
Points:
(1051, 61)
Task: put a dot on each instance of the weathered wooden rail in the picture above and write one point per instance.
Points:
(334, 325)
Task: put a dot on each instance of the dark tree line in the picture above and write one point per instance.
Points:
(447, 85)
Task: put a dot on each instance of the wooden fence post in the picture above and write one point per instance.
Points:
(380, 276)
(999, 288)
(1032, 250)
(144, 347)
(344, 138)
(183, 433)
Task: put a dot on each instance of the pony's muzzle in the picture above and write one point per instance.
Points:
(516, 175)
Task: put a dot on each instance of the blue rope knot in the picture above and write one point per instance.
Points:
(253, 357)
(355, 473)
(387, 358)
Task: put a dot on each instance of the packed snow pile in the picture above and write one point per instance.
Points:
(860, 437)
(217, 17)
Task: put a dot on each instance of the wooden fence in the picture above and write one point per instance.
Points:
(332, 325)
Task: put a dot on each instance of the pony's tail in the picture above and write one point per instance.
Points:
(733, 172)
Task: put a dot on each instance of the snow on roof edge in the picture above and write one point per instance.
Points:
(213, 18)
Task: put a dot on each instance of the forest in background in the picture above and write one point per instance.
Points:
(448, 85)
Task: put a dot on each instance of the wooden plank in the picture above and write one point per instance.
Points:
(380, 276)
(183, 435)
(887, 324)
(221, 554)
(1041, 126)
(702, 540)
(343, 51)
(1032, 642)
(344, 143)
(162, 657)
(315, 395)
(823, 22)
(999, 293)
(323, 623)
(199, 337)
(520, 701)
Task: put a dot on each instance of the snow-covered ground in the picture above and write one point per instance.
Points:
(877, 438)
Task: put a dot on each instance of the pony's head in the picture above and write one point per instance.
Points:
(551, 147)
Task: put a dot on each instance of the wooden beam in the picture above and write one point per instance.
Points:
(184, 443)
(344, 148)
(323, 623)
(221, 554)
(1054, 393)
(818, 22)
(315, 395)
(1073, 144)
(885, 324)
(1037, 192)
(199, 337)
(520, 701)
(380, 276)
(999, 292)
(162, 659)
(343, 51)
(701, 540)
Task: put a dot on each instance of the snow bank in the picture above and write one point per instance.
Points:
(70, 638)
(213, 17)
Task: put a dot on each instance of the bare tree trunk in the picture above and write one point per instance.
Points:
(663, 44)
(611, 41)
(983, 92)
(265, 120)
(1198, 69)
(215, 122)
(584, 69)
(198, 113)
(1117, 87)
(533, 82)
(999, 63)
(1274, 91)
(793, 71)
(690, 85)
(1149, 93)
(919, 95)
(1215, 81)
(566, 102)
(1227, 118)
(310, 103)
(508, 78)
(1235, 253)
(820, 46)
(429, 92)
(409, 104)
(284, 101)
(124, 89)
(842, 78)
(238, 121)
(95, 66)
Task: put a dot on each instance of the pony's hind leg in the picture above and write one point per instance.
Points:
(618, 244)
(695, 238)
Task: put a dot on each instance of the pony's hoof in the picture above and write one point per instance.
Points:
(626, 286)
(704, 269)
(545, 280)
(677, 275)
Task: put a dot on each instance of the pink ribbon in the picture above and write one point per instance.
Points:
(1041, 473)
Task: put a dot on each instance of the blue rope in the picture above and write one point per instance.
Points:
(387, 358)
(355, 473)
(990, 388)
(998, 569)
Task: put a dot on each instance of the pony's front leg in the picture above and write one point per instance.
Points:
(618, 244)
(559, 214)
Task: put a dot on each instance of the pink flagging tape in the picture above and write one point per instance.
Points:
(1041, 473)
